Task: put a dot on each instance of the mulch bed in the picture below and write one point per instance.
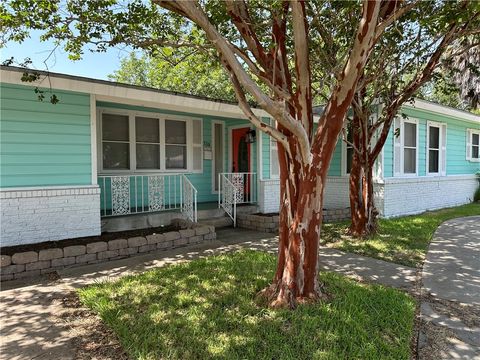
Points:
(266, 215)
(10, 250)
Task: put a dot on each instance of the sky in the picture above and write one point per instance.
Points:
(93, 65)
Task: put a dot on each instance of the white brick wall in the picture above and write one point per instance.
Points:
(33, 215)
(336, 194)
(404, 196)
(269, 196)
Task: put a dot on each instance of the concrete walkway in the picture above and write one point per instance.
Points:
(450, 310)
(30, 326)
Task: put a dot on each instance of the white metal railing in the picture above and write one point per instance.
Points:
(227, 194)
(189, 203)
(236, 188)
(134, 194)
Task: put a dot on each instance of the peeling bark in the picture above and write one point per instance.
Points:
(304, 158)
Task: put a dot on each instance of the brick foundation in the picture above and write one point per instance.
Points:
(269, 224)
(35, 215)
(33, 263)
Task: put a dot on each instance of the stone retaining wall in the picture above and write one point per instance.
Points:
(33, 263)
(269, 224)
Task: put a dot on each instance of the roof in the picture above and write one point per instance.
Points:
(109, 91)
(105, 90)
(427, 106)
(114, 83)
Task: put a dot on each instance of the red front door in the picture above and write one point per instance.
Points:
(240, 150)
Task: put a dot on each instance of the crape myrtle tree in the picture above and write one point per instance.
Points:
(431, 37)
(257, 42)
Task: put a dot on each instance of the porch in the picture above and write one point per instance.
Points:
(152, 200)
(155, 165)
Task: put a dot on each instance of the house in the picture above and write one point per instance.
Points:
(114, 156)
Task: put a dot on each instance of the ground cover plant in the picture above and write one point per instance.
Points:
(402, 240)
(207, 309)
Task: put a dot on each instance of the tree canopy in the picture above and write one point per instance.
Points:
(185, 71)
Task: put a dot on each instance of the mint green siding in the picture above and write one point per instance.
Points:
(335, 168)
(42, 143)
(201, 181)
(265, 155)
(388, 155)
(455, 146)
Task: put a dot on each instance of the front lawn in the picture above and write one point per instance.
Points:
(206, 309)
(401, 240)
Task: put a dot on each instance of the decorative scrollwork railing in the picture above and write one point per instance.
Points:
(228, 197)
(133, 194)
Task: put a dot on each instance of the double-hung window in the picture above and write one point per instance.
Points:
(147, 142)
(115, 142)
(473, 145)
(132, 142)
(406, 147)
(175, 144)
(436, 148)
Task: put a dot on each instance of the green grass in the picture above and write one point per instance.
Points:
(206, 309)
(401, 240)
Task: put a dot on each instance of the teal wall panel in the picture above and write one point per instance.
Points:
(335, 168)
(44, 144)
(455, 149)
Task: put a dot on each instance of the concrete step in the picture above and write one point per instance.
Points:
(206, 214)
(218, 222)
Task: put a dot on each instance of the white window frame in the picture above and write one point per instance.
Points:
(214, 145)
(402, 147)
(132, 142)
(469, 147)
(441, 148)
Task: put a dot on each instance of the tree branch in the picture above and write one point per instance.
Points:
(276, 109)
(303, 96)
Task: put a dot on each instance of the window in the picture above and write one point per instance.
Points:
(473, 145)
(147, 137)
(175, 144)
(436, 148)
(409, 148)
(115, 142)
(405, 146)
(433, 149)
(147, 142)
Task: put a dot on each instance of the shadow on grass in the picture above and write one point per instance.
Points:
(206, 309)
(402, 240)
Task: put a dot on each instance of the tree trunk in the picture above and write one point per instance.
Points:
(362, 207)
(296, 278)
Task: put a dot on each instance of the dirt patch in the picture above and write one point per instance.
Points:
(468, 314)
(91, 338)
(10, 250)
(434, 341)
